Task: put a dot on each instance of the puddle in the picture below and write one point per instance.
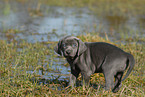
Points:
(57, 71)
(52, 23)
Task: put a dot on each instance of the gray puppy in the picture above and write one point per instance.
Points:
(95, 57)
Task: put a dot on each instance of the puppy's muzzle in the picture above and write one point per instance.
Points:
(68, 52)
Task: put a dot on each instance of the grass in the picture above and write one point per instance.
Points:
(16, 59)
(125, 8)
(7, 8)
(101, 7)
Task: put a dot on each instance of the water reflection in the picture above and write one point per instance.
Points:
(52, 23)
(62, 21)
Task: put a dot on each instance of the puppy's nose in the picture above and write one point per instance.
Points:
(68, 51)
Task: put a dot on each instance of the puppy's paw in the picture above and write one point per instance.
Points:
(116, 89)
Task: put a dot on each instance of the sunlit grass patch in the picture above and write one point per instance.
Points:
(16, 59)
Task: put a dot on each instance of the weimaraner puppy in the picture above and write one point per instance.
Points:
(95, 57)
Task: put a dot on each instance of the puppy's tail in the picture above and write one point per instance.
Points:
(130, 62)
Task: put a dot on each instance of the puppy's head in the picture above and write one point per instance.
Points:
(70, 47)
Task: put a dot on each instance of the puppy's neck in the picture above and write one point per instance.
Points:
(73, 60)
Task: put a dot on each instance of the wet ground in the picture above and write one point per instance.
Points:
(42, 23)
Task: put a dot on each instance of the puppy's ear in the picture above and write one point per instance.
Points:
(57, 48)
(81, 47)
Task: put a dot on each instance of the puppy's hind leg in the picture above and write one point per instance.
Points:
(109, 71)
(118, 84)
(109, 80)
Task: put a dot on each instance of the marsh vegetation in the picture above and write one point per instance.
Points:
(29, 30)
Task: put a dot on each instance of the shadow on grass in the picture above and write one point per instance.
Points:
(57, 84)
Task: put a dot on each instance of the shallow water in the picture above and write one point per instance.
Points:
(50, 23)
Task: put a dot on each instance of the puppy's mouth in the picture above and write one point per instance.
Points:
(68, 56)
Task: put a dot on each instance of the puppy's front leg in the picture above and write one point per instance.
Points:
(73, 77)
(85, 79)
(72, 80)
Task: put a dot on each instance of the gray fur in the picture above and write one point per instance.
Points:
(96, 57)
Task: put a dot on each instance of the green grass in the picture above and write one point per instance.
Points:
(16, 59)
(125, 8)
(7, 8)
(101, 7)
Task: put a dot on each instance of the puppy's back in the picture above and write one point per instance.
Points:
(103, 49)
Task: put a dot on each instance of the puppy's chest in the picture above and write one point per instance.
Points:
(85, 63)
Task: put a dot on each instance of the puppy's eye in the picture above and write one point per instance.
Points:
(64, 45)
(74, 45)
